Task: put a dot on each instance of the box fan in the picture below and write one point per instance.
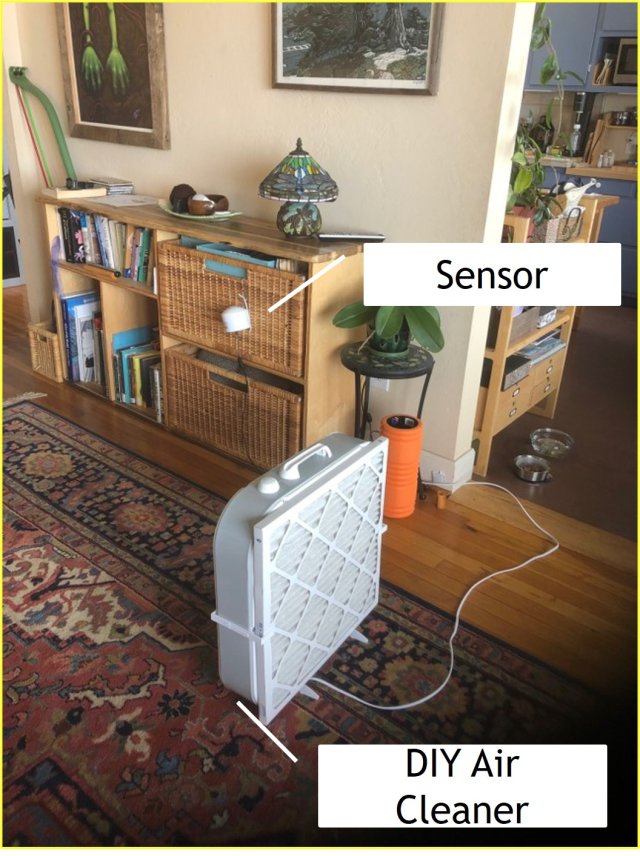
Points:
(297, 567)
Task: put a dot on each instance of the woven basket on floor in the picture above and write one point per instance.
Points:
(45, 351)
(193, 296)
(251, 420)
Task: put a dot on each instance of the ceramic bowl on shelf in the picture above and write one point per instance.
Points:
(551, 443)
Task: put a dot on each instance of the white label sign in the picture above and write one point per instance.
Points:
(500, 787)
(492, 274)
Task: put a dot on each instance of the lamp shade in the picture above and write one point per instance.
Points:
(299, 177)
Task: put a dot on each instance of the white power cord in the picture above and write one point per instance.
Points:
(543, 555)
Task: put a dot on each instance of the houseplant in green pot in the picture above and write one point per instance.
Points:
(391, 328)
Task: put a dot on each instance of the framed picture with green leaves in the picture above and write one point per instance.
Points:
(114, 71)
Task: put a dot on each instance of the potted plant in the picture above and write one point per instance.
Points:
(392, 327)
(526, 189)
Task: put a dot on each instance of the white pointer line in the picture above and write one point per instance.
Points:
(306, 283)
(266, 730)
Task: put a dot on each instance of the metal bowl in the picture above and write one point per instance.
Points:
(551, 443)
(531, 468)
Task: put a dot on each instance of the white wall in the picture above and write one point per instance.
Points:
(417, 168)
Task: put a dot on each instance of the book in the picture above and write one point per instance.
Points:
(85, 341)
(120, 342)
(128, 250)
(137, 362)
(146, 382)
(155, 373)
(126, 356)
(135, 336)
(96, 252)
(113, 185)
(72, 237)
(86, 237)
(98, 349)
(79, 193)
(69, 304)
(143, 255)
(104, 239)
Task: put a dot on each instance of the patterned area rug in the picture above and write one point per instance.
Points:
(117, 729)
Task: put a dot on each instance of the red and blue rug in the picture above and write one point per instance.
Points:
(117, 730)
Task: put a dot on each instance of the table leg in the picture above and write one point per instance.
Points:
(365, 408)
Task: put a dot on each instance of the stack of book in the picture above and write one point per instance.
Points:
(99, 240)
(113, 185)
(83, 336)
(136, 368)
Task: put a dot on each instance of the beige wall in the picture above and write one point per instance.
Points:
(417, 168)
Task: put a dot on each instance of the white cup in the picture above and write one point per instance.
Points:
(236, 318)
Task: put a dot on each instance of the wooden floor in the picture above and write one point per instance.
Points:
(575, 610)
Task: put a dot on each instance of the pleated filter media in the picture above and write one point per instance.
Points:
(316, 571)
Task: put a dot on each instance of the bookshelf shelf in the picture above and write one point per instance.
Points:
(282, 377)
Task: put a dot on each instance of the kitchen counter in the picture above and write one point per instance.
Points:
(619, 172)
(577, 167)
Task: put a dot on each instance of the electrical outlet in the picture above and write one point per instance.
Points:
(438, 477)
(380, 383)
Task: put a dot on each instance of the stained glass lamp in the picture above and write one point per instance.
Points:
(299, 181)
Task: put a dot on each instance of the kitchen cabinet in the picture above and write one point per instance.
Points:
(572, 30)
(500, 400)
(619, 222)
(618, 18)
(258, 395)
(582, 33)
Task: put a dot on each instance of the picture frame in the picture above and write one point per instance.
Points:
(388, 47)
(114, 72)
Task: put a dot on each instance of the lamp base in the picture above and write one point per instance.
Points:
(299, 219)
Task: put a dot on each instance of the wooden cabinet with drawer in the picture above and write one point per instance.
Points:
(497, 407)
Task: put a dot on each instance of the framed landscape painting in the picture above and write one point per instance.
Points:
(114, 71)
(364, 47)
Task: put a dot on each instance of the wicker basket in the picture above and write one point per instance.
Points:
(45, 351)
(192, 296)
(238, 414)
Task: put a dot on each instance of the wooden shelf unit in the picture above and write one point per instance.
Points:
(538, 391)
(324, 388)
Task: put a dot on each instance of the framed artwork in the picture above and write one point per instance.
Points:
(114, 70)
(362, 47)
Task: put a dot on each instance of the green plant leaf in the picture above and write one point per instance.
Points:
(424, 327)
(522, 181)
(549, 69)
(388, 321)
(354, 315)
(520, 159)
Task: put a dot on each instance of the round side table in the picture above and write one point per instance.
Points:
(365, 364)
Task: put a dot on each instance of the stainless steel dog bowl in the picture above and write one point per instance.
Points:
(551, 443)
(531, 468)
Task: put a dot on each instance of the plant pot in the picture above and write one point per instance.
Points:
(392, 347)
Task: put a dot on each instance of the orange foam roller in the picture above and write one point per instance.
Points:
(405, 442)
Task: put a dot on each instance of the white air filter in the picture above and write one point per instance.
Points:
(297, 567)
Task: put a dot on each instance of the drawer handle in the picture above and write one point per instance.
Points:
(513, 412)
(515, 392)
(549, 370)
(547, 387)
